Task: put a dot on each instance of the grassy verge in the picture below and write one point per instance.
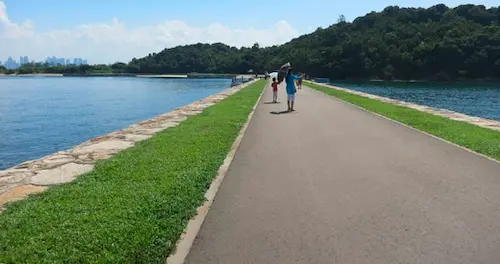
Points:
(482, 140)
(133, 207)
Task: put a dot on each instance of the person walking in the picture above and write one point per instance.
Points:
(299, 82)
(291, 89)
(275, 90)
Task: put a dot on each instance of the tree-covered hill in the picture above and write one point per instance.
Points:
(397, 43)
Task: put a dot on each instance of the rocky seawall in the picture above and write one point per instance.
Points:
(38, 75)
(64, 166)
(478, 121)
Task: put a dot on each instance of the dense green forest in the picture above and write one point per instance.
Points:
(437, 43)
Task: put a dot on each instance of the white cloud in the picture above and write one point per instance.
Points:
(115, 41)
(3, 12)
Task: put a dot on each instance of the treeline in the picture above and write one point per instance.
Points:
(84, 69)
(438, 43)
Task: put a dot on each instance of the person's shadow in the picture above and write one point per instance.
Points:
(281, 112)
(272, 103)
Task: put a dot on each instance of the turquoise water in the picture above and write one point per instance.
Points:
(481, 100)
(39, 116)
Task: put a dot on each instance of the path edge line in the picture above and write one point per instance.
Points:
(405, 125)
(187, 238)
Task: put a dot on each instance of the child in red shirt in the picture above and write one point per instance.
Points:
(299, 82)
(275, 90)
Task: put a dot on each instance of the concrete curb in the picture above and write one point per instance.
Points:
(407, 126)
(186, 240)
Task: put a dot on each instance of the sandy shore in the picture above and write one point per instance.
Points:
(33, 75)
(39, 75)
(162, 76)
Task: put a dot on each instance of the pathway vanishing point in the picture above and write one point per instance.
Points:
(331, 183)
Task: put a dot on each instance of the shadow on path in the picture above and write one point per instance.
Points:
(272, 103)
(281, 112)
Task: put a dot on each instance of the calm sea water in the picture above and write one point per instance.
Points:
(39, 116)
(482, 100)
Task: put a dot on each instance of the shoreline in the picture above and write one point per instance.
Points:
(463, 81)
(66, 165)
(452, 115)
(237, 75)
(167, 76)
(171, 76)
(151, 190)
(34, 75)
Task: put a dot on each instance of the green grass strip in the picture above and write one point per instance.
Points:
(133, 207)
(482, 140)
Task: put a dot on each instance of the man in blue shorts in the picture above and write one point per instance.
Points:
(290, 88)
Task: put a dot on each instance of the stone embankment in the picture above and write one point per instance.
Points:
(478, 121)
(64, 166)
(39, 75)
(161, 76)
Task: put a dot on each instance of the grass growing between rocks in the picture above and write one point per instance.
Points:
(482, 140)
(133, 207)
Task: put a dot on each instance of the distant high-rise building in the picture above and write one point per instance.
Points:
(79, 61)
(23, 60)
(68, 62)
(56, 61)
(11, 64)
(85, 62)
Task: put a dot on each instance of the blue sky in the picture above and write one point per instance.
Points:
(111, 30)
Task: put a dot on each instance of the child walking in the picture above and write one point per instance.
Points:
(299, 82)
(275, 90)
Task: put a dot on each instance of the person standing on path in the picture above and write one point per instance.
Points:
(275, 90)
(299, 82)
(290, 89)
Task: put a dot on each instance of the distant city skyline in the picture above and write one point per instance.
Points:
(11, 63)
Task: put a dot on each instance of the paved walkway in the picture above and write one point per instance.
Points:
(331, 183)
